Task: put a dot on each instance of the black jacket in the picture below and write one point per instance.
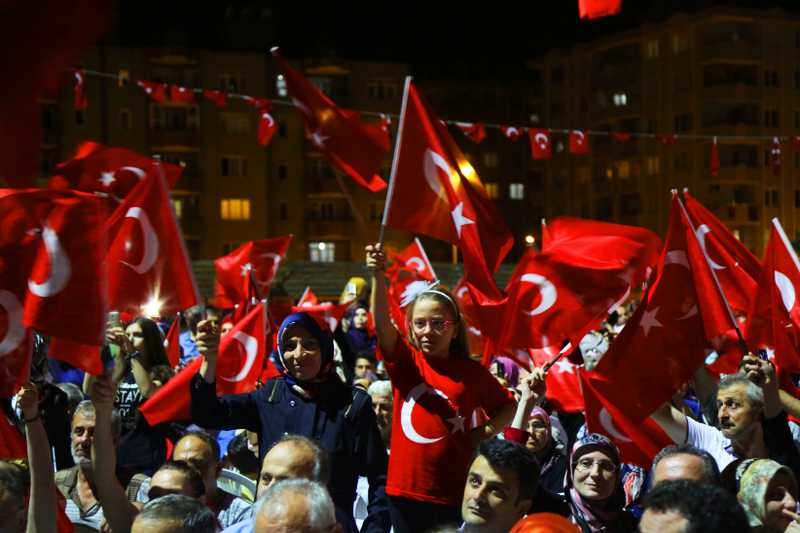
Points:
(340, 418)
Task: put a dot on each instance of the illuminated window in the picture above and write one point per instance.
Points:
(322, 252)
(653, 165)
(680, 43)
(516, 191)
(280, 86)
(652, 49)
(620, 99)
(492, 189)
(234, 209)
(490, 159)
(623, 169)
(177, 207)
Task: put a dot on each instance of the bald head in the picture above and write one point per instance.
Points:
(293, 457)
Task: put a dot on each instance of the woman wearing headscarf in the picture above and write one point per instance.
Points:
(552, 457)
(308, 399)
(767, 491)
(593, 491)
(505, 370)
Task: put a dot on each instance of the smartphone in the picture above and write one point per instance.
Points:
(113, 318)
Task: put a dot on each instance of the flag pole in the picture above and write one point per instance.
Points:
(428, 261)
(395, 159)
(742, 343)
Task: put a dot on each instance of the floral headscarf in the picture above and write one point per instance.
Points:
(753, 477)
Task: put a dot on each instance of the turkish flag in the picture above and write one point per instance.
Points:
(680, 316)
(476, 132)
(478, 344)
(181, 94)
(12, 443)
(108, 171)
(436, 192)
(666, 139)
(147, 259)
(172, 342)
(562, 381)
(218, 98)
(156, 91)
(327, 313)
(512, 132)
(638, 442)
(621, 136)
(592, 9)
(541, 148)
(249, 298)
(239, 361)
(713, 162)
(775, 157)
(80, 101)
(774, 318)
(578, 142)
(15, 338)
(258, 103)
(266, 127)
(409, 274)
(262, 256)
(354, 147)
(736, 267)
(308, 298)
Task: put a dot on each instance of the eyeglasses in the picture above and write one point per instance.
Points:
(436, 324)
(586, 465)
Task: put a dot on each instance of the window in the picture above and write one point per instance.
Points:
(620, 99)
(490, 159)
(382, 90)
(282, 172)
(234, 209)
(772, 198)
(653, 165)
(683, 122)
(235, 123)
(651, 51)
(283, 210)
(516, 191)
(680, 43)
(177, 207)
(771, 78)
(623, 169)
(322, 252)
(280, 86)
(233, 82)
(125, 118)
(771, 118)
(492, 189)
(173, 118)
(233, 166)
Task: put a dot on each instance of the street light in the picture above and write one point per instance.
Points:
(530, 240)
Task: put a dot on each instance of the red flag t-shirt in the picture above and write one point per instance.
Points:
(436, 405)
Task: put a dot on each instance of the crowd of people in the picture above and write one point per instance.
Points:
(371, 429)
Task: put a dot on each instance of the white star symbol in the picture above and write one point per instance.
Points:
(649, 320)
(247, 267)
(107, 178)
(565, 366)
(318, 139)
(459, 219)
(457, 422)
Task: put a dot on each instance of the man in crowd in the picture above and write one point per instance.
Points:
(685, 506)
(381, 394)
(684, 462)
(77, 484)
(177, 477)
(175, 513)
(500, 486)
(296, 505)
(14, 484)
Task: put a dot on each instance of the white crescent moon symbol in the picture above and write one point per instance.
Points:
(690, 313)
(541, 140)
(579, 135)
(141, 174)
(510, 132)
(270, 120)
(432, 163)
(417, 263)
(16, 331)
(786, 289)
(546, 289)
(608, 424)
(150, 240)
(408, 408)
(250, 345)
(60, 268)
(701, 236)
(460, 292)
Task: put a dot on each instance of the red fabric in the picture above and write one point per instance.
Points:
(665, 341)
(263, 257)
(578, 142)
(12, 443)
(63, 523)
(258, 103)
(181, 94)
(218, 98)
(592, 9)
(519, 436)
(156, 91)
(308, 298)
(512, 132)
(437, 193)
(80, 101)
(146, 257)
(172, 401)
(356, 148)
(431, 451)
(563, 384)
(796, 141)
(385, 127)
(713, 162)
(266, 127)
(172, 343)
(775, 157)
(475, 338)
(249, 298)
(774, 318)
(476, 132)
(541, 147)
(666, 139)
(621, 136)
(108, 171)
(41, 40)
(83, 356)
(736, 267)
(325, 313)
(409, 274)
(638, 442)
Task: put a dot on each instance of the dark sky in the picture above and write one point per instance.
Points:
(447, 35)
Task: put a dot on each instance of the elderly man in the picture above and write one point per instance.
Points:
(381, 394)
(296, 505)
(175, 513)
(500, 486)
(684, 462)
(752, 423)
(77, 484)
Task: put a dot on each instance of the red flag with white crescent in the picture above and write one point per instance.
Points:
(541, 147)
(578, 142)
(156, 91)
(512, 133)
(263, 257)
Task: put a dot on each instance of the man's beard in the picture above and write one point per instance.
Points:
(81, 460)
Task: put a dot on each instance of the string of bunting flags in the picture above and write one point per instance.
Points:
(540, 138)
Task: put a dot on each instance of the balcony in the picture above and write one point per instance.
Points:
(330, 229)
(732, 91)
(173, 137)
(739, 173)
(741, 50)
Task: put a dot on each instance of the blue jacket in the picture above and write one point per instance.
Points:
(340, 418)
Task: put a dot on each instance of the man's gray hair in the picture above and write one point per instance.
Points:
(321, 470)
(710, 468)
(754, 393)
(320, 513)
(86, 408)
(380, 388)
(191, 515)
